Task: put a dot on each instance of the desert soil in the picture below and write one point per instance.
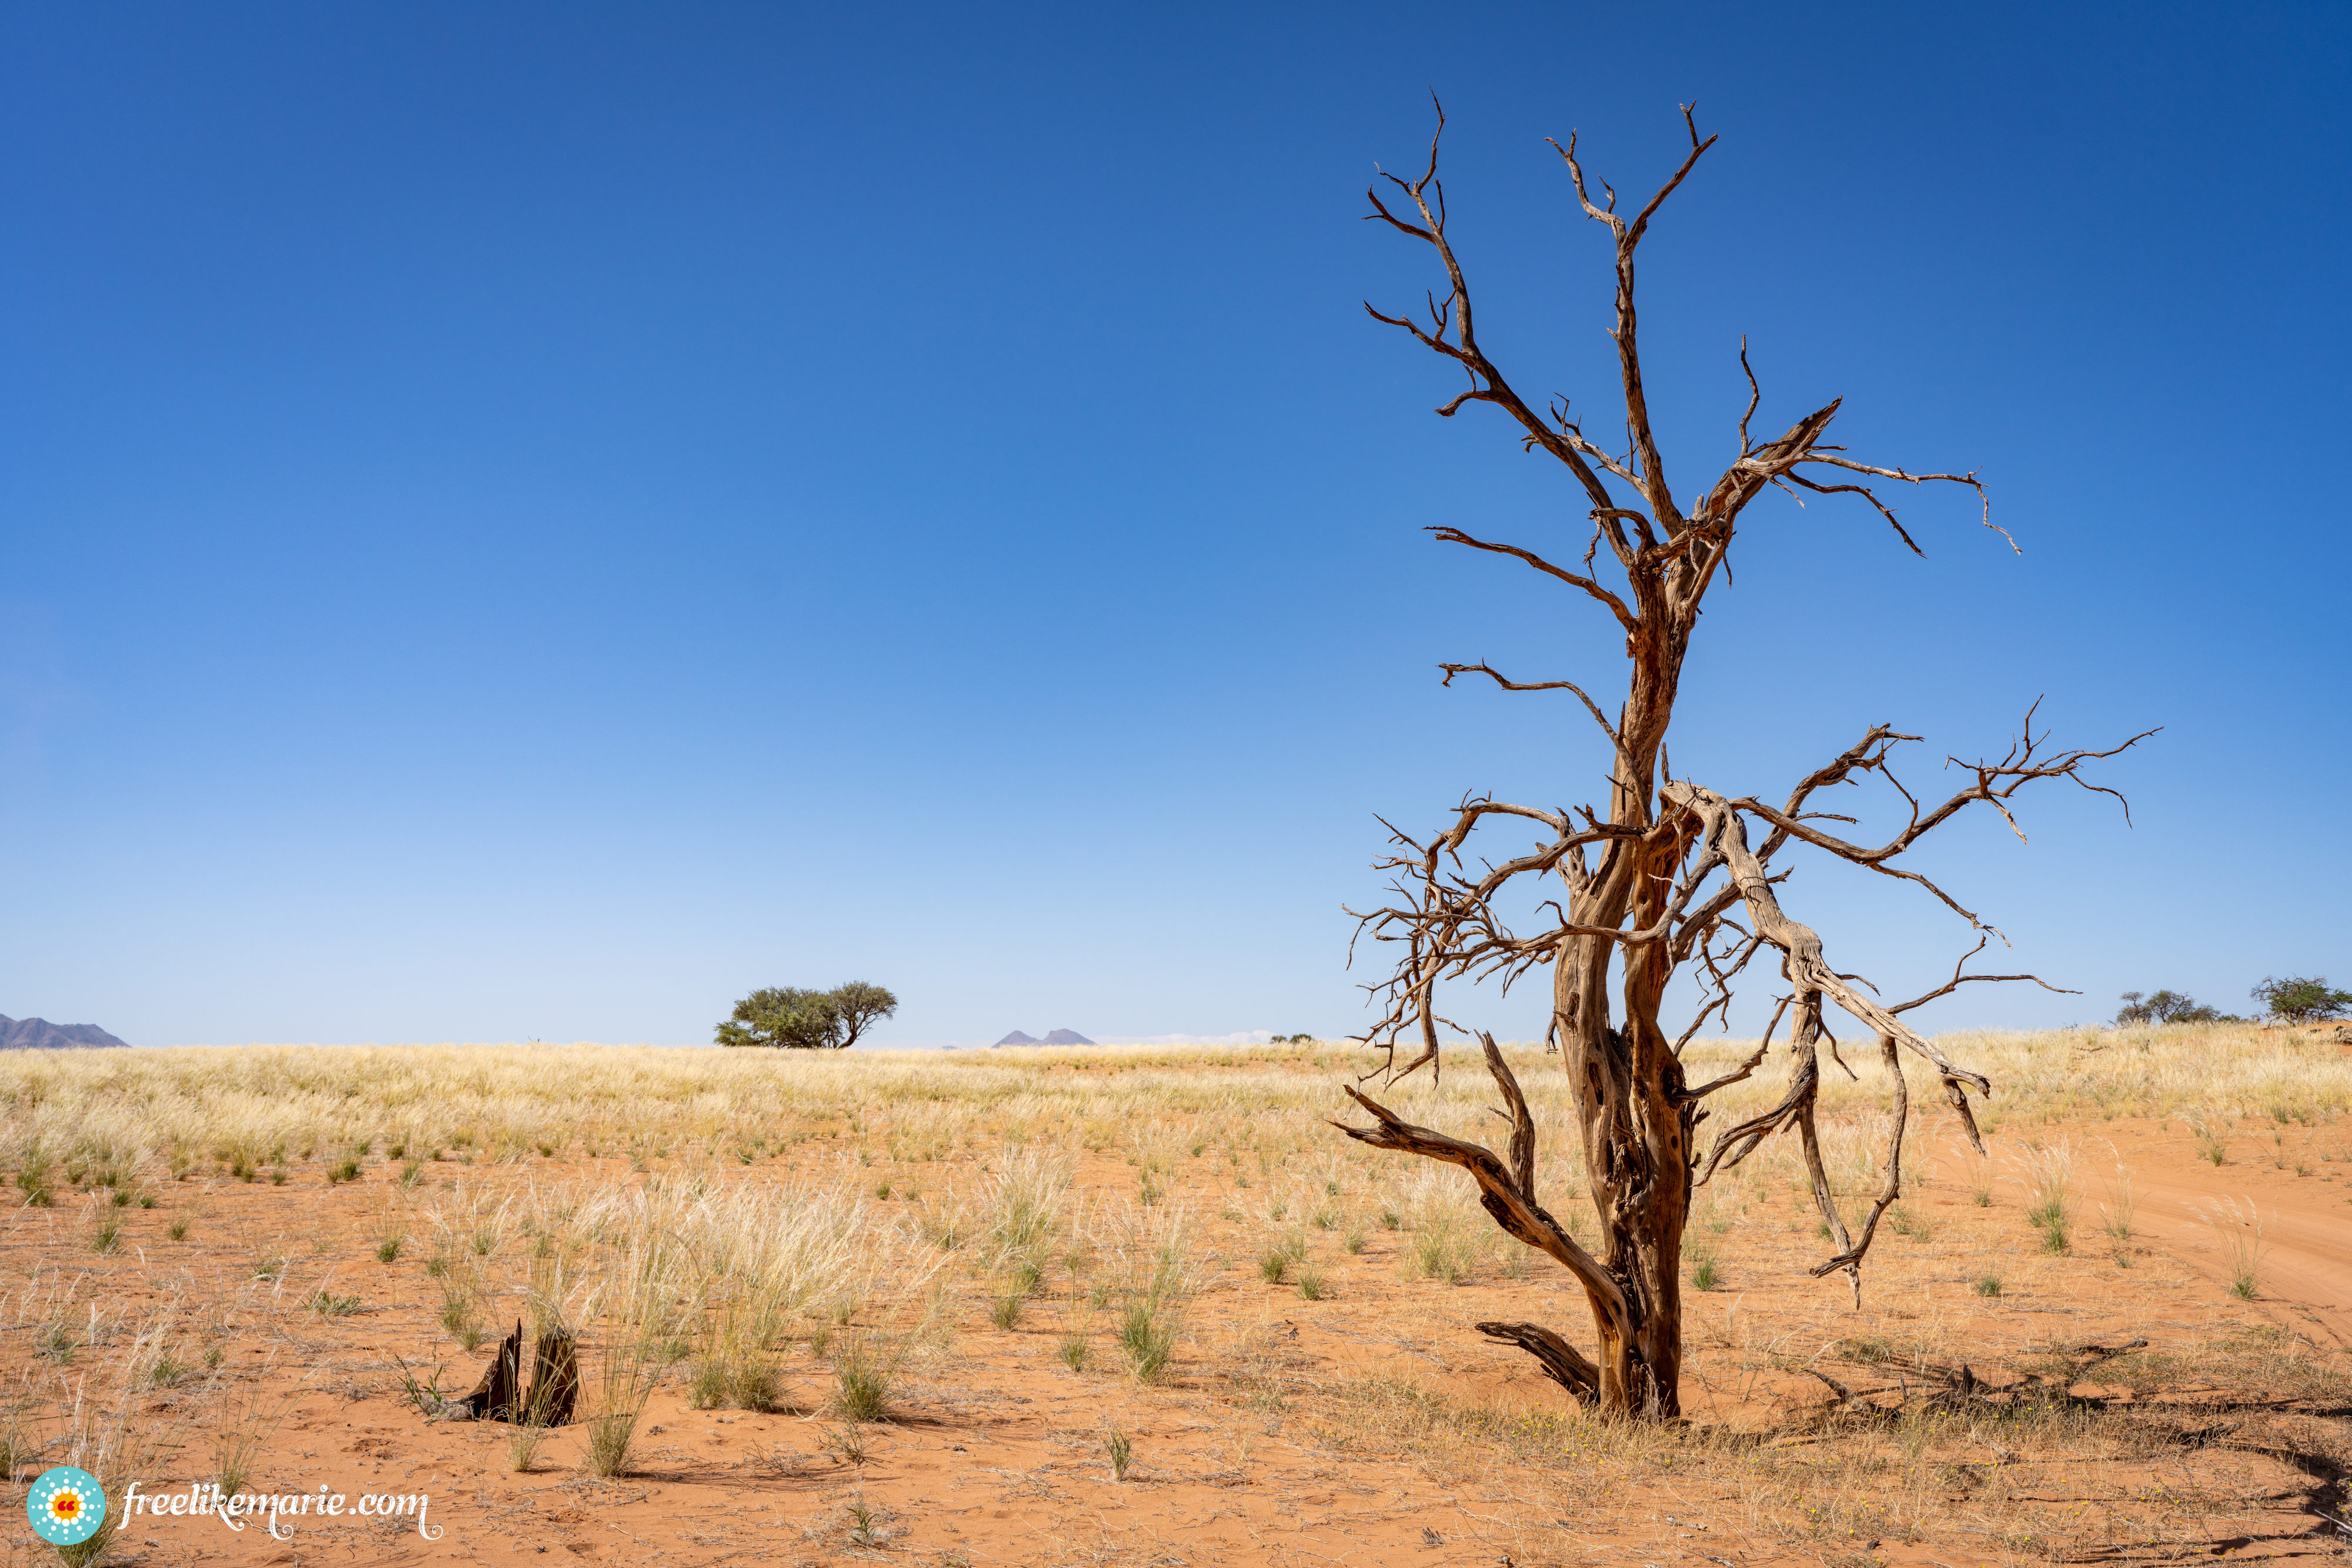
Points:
(1372, 1427)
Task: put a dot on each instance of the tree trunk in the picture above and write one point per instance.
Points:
(1636, 1131)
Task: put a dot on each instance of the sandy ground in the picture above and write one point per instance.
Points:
(1298, 1431)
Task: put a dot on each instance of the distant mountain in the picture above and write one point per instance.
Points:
(1017, 1037)
(40, 1034)
(1066, 1037)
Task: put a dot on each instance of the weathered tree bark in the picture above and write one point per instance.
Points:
(494, 1397)
(554, 1386)
(554, 1380)
(1637, 888)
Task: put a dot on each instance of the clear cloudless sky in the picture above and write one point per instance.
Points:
(531, 520)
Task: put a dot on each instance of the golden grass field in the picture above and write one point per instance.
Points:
(1146, 1306)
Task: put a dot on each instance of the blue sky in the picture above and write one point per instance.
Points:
(530, 521)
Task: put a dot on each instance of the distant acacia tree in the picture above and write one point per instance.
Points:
(2301, 999)
(792, 1018)
(1660, 875)
(860, 1005)
(2168, 1007)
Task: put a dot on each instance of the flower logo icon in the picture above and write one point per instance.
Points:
(66, 1506)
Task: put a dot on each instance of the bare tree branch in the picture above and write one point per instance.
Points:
(1805, 964)
(1629, 358)
(1616, 605)
(1960, 979)
(1995, 782)
(1515, 1210)
(1483, 668)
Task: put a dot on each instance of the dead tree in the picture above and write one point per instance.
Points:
(1667, 876)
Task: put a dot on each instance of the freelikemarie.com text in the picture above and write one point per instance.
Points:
(202, 1499)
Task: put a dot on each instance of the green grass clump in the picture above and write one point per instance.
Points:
(862, 1380)
(1149, 1338)
(33, 1181)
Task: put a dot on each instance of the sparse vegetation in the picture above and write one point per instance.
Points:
(1122, 1452)
(2050, 1174)
(862, 1373)
(2239, 1227)
(1148, 1335)
(2116, 1213)
(770, 1277)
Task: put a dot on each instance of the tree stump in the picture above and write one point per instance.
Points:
(499, 1396)
(554, 1380)
(494, 1398)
